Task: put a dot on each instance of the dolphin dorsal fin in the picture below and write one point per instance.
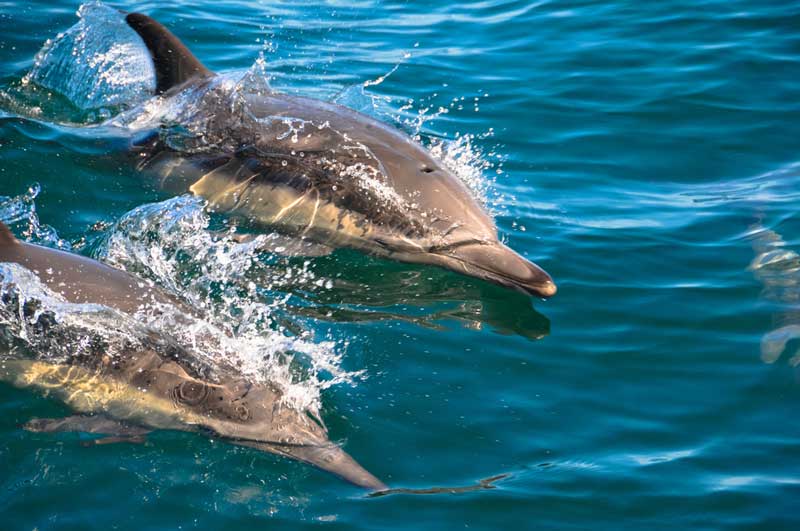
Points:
(6, 238)
(173, 61)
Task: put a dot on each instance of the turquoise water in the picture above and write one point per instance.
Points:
(646, 154)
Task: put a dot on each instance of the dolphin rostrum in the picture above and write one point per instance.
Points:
(142, 389)
(317, 170)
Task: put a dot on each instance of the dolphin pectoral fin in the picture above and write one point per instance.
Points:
(328, 457)
(174, 63)
(115, 430)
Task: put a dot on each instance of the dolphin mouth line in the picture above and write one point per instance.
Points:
(439, 249)
(241, 440)
(541, 289)
(449, 252)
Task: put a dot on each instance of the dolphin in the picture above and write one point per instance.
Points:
(316, 170)
(777, 267)
(143, 388)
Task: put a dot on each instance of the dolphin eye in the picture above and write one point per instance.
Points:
(426, 169)
(191, 393)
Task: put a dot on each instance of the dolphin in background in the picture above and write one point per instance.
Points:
(146, 387)
(316, 170)
(777, 268)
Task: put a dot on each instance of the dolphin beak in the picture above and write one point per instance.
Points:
(328, 457)
(497, 263)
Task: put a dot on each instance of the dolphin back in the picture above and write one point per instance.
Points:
(174, 63)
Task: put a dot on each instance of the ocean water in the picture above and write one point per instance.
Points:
(646, 154)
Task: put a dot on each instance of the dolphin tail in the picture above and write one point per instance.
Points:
(328, 457)
(499, 264)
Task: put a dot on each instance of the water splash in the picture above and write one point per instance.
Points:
(254, 82)
(86, 74)
(470, 164)
(477, 167)
(38, 323)
(19, 212)
(99, 63)
(239, 290)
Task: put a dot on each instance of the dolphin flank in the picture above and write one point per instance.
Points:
(142, 389)
(318, 171)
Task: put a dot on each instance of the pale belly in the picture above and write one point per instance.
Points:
(91, 392)
(284, 208)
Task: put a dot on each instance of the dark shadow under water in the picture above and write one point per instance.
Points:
(484, 484)
(367, 289)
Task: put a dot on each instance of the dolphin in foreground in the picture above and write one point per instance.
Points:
(320, 171)
(144, 389)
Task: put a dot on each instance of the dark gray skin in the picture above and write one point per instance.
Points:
(141, 390)
(82, 280)
(320, 171)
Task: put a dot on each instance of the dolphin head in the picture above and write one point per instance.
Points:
(244, 413)
(459, 234)
(257, 416)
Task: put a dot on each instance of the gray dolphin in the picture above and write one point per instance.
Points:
(144, 389)
(777, 268)
(320, 171)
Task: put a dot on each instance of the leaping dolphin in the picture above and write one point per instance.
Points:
(320, 171)
(142, 389)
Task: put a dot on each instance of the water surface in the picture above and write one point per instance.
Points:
(647, 155)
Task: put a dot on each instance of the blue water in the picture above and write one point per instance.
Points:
(646, 154)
